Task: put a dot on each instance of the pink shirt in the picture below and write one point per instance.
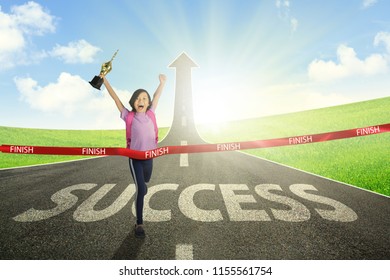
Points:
(143, 136)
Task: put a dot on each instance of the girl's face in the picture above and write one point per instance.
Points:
(141, 104)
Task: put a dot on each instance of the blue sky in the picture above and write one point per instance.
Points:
(255, 57)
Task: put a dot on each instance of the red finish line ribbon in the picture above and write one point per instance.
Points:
(202, 148)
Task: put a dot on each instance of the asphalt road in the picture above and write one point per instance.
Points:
(215, 206)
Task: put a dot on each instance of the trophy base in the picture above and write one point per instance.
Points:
(96, 82)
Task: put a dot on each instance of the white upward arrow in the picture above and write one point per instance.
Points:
(183, 61)
(183, 119)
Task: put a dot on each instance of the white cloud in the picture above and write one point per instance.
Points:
(73, 102)
(349, 65)
(285, 14)
(383, 37)
(282, 3)
(76, 52)
(294, 24)
(26, 20)
(368, 3)
(11, 37)
(32, 19)
(65, 96)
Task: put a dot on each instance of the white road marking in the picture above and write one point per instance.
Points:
(64, 199)
(184, 157)
(183, 121)
(86, 212)
(297, 212)
(292, 210)
(233, 204)
(190, 210)
(184, 252)
(339, 213)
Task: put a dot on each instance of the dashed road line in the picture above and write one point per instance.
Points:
(183, 121)
(184, 157)
(184, 252)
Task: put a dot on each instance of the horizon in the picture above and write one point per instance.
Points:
(213, 124)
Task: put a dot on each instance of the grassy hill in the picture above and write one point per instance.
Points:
(363, 162)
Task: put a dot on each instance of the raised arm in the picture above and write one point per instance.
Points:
(157, 93)
(113, 94)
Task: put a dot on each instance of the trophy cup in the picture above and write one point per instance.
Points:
(97, 81)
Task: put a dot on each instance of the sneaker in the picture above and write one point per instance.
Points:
(139, 231)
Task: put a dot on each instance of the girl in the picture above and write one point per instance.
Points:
(141, 131)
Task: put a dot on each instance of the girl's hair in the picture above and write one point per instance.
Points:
(135, 96)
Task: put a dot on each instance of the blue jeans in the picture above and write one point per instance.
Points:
(141, 170)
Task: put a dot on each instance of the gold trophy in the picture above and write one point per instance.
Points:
(97, 81)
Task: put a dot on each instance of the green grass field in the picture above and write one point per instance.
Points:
(363, 161)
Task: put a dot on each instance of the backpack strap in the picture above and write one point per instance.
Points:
(129, 121)
(152, 116)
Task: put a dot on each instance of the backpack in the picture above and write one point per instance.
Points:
(129, 121)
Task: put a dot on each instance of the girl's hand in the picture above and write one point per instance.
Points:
(159, 90)
(162, 78)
